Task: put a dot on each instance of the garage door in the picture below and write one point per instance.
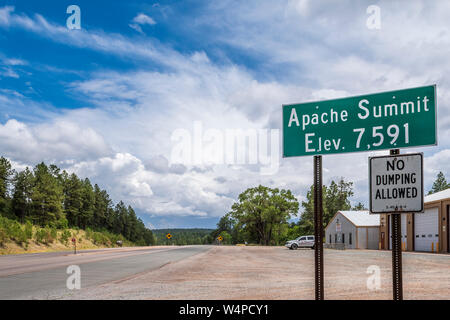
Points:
(362, 238)
(404, 231)
(426, 230)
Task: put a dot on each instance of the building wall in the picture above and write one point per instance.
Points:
(403, 228)
(384, 232)
(427, 230)
(407, 221)
(362, 238)
(373, 235)
(445, 227)
(410, 232)
(346, 228)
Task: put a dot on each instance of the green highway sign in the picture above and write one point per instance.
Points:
(386, 120)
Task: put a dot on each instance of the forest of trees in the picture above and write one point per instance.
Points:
(183, 236)
(262, 214)
(259, 216)
(47, 196)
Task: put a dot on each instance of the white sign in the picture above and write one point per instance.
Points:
(396, 183)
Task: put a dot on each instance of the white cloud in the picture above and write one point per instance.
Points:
(143, 19)
(316, 50)
(56, 142)
(8, 73)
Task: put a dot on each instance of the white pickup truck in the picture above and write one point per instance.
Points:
(301, 242)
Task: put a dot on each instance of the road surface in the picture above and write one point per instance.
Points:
(221, 272)
(44, 275)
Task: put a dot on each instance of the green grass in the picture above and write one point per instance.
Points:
(24, 234)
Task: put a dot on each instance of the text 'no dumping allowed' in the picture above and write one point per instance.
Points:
(396, 183)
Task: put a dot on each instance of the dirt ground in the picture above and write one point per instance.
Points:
(228, 272)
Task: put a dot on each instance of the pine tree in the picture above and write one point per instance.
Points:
(87, 209)
(102, 203)
(359, 206)
(47, 197)
(73, 202)
(439, 184)
(23, 191)
(6, 172)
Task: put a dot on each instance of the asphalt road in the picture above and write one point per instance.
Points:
(44, 275)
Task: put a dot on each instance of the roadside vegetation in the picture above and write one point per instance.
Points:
(262, 215)
(183, 236)
(45, 205)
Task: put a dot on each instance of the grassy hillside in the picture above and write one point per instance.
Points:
(183, 236)
(18, 238)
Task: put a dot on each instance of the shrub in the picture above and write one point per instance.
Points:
(29, 230)
(65, 235)
(53, 235)
(40, 235)
(50, 235)
(62, 223)
(44, 236)
(3, 237)
(16, 233)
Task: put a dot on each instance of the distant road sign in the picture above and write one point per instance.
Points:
(386, 120)
(396, 183)
(74, 240)
(169, 236)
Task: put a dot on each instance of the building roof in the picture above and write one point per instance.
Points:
(362, 218)
(437, 196)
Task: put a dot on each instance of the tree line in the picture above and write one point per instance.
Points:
(47, 196)
(183, 236)
(262, 215)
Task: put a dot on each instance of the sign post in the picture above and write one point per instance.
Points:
(169, 236)
(396, 187)
(74, 241)
(318, 227)
(397, 272)
(380, 121)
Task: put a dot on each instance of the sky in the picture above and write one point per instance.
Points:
(112, 100)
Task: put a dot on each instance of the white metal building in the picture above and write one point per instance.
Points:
(403, 229)
(426, 225)
(354, 229)
(427, 231)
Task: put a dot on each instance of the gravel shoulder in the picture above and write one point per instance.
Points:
(228, 272)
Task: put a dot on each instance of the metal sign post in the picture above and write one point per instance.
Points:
(397, 283)
(378, 121)
(396, 188)
(74, 241)
(318, 227)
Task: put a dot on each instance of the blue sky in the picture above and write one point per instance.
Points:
(105, 100)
